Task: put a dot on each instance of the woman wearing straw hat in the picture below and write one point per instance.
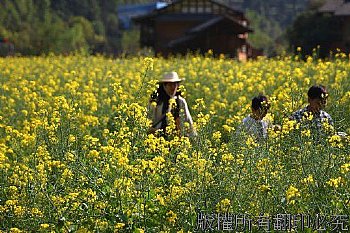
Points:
(160, 106)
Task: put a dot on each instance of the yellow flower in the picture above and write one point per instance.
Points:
(148, 61)
(217, 136)
(345, 168)
(44, 226)
(227, 158)
(228, 128)
(71, 138)
(308, 116)
(335, 141)
(94, 154)
(154, 104)
(171, 216)
(19, 210)
(123, 161)
(118, 226)
(101, 224)
(250, 142)
(335, 182)
(309, 179)
(292, 193)
(160, 199)
(306, 132)
(223, 205)
(15, 230)
(36, 212)
(265, 188)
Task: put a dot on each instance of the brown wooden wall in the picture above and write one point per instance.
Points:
(346, 29)
(346, 34)
(175, 21)
(170, 30)
(344, 43)
(204, 6)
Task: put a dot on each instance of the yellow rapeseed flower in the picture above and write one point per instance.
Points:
(335, 182)
(292, 194)
(171, 216)
(223, 205)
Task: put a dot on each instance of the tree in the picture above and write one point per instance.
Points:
(312, 30)
(265, 31)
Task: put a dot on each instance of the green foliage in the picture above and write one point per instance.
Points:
(269, 19)
(311, 30)
(281, 11)
(61, 26)
(264, 32)
(130, 41)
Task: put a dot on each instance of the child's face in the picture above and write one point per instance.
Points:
(261, 113)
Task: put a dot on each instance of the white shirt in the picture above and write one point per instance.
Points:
(257, 128)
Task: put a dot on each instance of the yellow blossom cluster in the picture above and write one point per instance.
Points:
(76, 155)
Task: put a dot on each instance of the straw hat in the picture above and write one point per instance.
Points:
(171, 77)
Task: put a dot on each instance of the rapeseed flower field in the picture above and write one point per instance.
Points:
(75, 155)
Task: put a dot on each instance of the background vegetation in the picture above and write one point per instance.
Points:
(43, 26)
(62, 26)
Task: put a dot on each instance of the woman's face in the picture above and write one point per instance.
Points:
(171, 88)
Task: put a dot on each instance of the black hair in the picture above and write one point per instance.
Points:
(160, 96)
(257, 103)
(317, 92)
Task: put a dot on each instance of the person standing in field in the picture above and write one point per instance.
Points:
(167, 102)
(313, 115)
(255, 124)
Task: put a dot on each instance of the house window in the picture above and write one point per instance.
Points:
(215, 7)
(184, 9)
(204, 9)
(177, 8)
(207, 9)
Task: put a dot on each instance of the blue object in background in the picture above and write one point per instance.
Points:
(127, 12)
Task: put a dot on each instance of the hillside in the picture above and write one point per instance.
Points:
(62, 26)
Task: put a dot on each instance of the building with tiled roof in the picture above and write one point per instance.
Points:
(196, 25)
(340, 10)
